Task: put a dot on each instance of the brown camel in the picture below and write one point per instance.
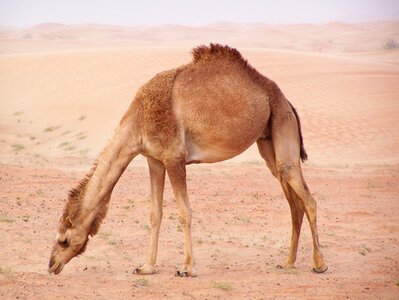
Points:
(209, 110)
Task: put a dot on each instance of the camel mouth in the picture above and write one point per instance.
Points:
(55, 267)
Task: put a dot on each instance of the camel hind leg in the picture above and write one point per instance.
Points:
(267, 152)
(286, 144)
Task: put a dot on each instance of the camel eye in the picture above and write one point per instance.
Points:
(63, 243)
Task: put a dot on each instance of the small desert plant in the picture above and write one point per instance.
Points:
(27, 36)
(365, 251)
(390, 44)
(39, 193)
(292, 271)
(63, 144)
(6, 219)
(70, 148)
(222, 285)
(7, 273)
(104, 235)
(146, 227)
(199, 241)
(244, 219)
(141, 282)
(18, 147)
(51, 128)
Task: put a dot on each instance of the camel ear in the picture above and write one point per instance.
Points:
(68, 222)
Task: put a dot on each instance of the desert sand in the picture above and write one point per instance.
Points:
(63, 90)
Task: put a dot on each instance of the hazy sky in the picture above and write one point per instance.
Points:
(23, 13)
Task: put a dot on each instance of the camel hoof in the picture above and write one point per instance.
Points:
(185, 274)
(320, 270)
(181, 274)
(144, 271)
(285, 267)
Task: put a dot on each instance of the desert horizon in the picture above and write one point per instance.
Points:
(64, 89)
(332, 37)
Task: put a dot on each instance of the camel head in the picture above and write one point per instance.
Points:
(70, 241)
(75, 226)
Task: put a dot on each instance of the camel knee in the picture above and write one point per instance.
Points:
(286, 172)
(312, 204)
(311, 207)
(185, 217)
(155, 218)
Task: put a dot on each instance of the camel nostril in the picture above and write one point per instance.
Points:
(51, 263)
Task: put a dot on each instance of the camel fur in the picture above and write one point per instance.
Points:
(209, 110)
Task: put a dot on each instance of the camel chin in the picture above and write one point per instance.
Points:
(59, 258)
(55, 267)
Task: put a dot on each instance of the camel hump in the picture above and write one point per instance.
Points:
(204, 53)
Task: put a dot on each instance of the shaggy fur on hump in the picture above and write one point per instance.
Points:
(219, 53)
(216, 51)
(203, 52)
(74, 204)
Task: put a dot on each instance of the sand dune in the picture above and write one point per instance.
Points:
(69, 103)
(332, 37)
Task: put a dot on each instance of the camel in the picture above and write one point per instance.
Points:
(206, 111)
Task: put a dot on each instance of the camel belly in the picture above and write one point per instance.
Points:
(207, 142)
(203, 155)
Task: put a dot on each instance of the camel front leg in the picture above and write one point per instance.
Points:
(177, 174)
(157, 177)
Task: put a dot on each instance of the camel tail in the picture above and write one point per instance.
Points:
(303, 154)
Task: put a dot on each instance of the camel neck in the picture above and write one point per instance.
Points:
(111, 164)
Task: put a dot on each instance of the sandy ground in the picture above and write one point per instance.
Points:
(60, 104)
(241, 231)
